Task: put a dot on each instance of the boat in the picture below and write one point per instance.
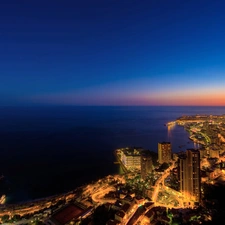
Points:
(170, 123)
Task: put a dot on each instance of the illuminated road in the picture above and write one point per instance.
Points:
(98, 196)
(140, 211)
(130, 215)
(141, 218)
(160, 182)
(171, 195)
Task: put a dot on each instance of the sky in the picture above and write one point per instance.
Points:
(112, 52)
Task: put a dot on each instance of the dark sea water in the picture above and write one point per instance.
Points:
(50, 149)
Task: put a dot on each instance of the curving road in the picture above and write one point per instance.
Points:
(98, 196)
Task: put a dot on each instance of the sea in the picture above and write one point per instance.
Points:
(49, 150)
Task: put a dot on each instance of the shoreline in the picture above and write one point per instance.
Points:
(53, 197)
(120, 162)
(63, 195)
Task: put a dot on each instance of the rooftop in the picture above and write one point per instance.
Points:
(120, 214)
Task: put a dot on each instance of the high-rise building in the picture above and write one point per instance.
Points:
(146, 164)
(189, 174)
(164, 152)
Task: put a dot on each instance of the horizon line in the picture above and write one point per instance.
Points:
(97, 105)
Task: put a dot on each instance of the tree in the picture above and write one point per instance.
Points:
(16, 218)
(164, 166)
(5, 218)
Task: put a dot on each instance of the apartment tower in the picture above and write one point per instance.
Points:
(146, 164)
(189, 174)
(164, 152)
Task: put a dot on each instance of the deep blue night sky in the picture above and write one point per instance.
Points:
(112, 52)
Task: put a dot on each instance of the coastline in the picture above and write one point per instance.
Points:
(63, 195)
(110, 131)
(120, 162)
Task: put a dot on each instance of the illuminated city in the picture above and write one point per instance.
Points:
(148, 191)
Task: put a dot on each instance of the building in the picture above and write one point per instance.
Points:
(189, 174)
(131, 158)
(164, 152)
(149, 216)
(120, 216)
(113, 222)
(146, 164)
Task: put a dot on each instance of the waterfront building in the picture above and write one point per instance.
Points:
(164, 152)
(131, 158)
(189, 174)
(146, 164)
